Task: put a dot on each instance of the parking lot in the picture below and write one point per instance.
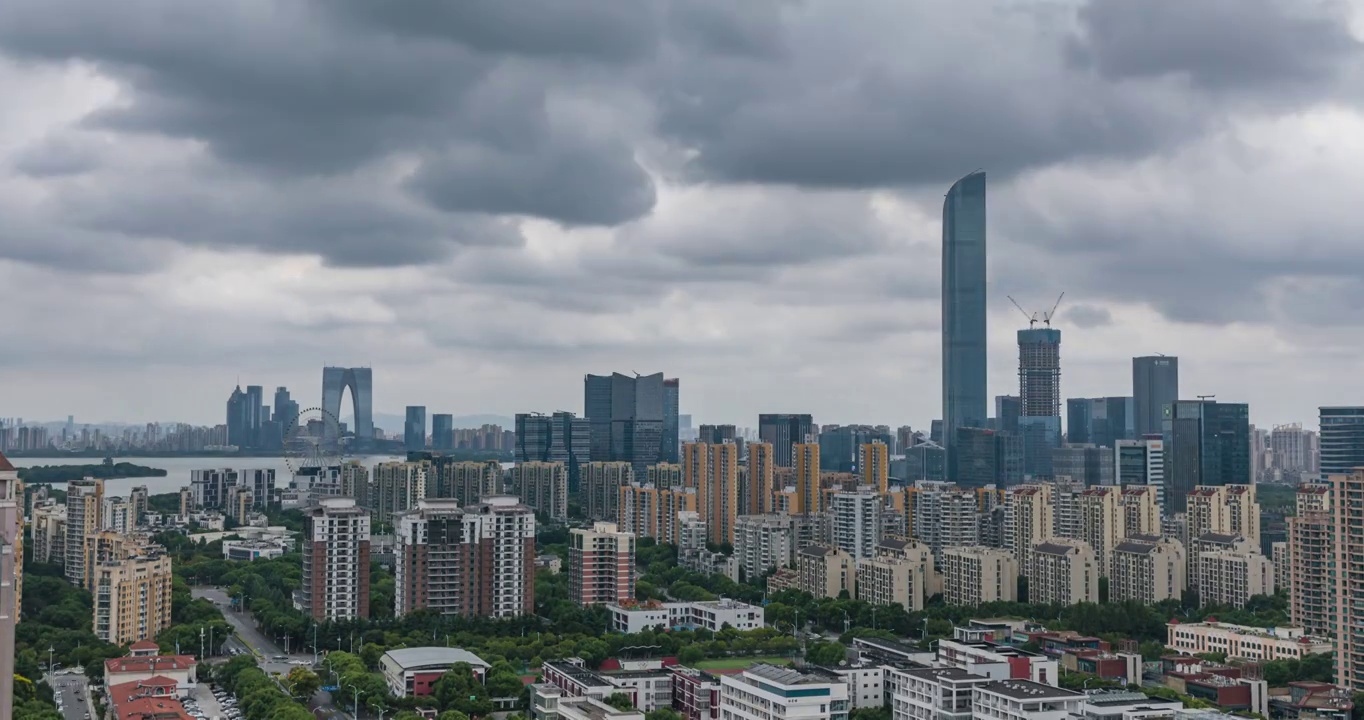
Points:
(207, 704)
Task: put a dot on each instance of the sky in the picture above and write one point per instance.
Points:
(485, 200)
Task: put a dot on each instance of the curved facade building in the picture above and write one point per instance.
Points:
(963, 307)
(360, 382)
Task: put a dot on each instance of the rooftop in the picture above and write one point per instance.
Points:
(1116, 698)
(789, 676)
(1049, 548)
(1029, 690)
(152, 664)
(420, 657)
(5, 464)
(943, 673)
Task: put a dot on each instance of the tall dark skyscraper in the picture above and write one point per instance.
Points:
(964, 397)
(1100, 421)
(561, 437)
(238, 419)
(286, 408)
(1207, 443)
(1007, 411)
(671, 397)
(783, 430)
(1342, 440)
(414, 428)
(1155, 384)
(442, 432)
(255, 414)
(1039, 397)
(716, 434)
(625, 415)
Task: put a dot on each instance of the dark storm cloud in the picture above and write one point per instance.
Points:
(56, 156)
(1217, 44)
(1087, 316)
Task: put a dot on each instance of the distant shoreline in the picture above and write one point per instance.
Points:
(48, 474)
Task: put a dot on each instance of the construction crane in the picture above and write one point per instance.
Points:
(1032, 319)
(1046, 319)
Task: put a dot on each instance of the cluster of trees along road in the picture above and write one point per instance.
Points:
(58, 615)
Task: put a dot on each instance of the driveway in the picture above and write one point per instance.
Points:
(67, 687)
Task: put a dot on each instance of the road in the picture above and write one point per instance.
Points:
(68, 687)
(267, 651)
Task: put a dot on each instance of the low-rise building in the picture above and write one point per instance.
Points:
(414, 671)
(866, 683)
(696, 693)
(254, 549)
(550, 703)
(1126, 705)
(134, 668)
(1024, 700)
(998, 662)
(768, 692)
(1242, 642)
(713, 615)
(931, 693)
(155, 698)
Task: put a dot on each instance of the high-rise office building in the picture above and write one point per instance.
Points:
(84, 502)
(286, 408)
(474, 560)
(442, 431)
(360, 382)
(1007, 410)
(561, 438)
(1141, 462)
(1155, 384)
(335, 560)
(1207, 443)
(601, 565)
(713, 470)
(964, 307)
(255, 414)
(716, 434)
(625, 416)
(976, 451)
(414, 428)
(238, 419)
(1342, 442)
(761, 477)
(1039, 386)
(783, 431)
(1099, 421)
(1084, 464)
(671, 449)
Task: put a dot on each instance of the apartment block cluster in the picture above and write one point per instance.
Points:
(103, 545)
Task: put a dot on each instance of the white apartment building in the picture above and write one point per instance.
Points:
(543, 486)
(976, 575)
(335, 560)
(945, 516)
(768, 692)
(49, 533)
(764, 542)
(857, 522)
(117, 515)
(1242, 642)
(84, 501)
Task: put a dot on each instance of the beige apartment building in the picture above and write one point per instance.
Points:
(825, 571)
(1224, 509)
(648, 511)
(1232, 576)
(1347, 494)
(762, 468)
(899, 574)
(1140, 510)
(1063, 571)
(713, 469)
(1029, 516)
(976, 575)
(543, 487)
(132, 596)
(1147, 568)
(1309, 558)
(1100, 522)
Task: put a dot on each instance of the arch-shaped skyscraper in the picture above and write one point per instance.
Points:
(360, 382)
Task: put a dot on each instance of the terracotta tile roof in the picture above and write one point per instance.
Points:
(153, 663)
(5, 464)
(144, 645)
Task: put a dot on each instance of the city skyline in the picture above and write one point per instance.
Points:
(781, 231)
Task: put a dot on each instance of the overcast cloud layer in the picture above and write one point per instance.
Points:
(485, 200)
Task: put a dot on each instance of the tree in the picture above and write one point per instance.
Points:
(1103, 590)
(663, 714)
(620, 701)
(827, 653)
(407, 715)
(303, 683)
(452, 715)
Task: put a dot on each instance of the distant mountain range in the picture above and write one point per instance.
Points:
(391, 423)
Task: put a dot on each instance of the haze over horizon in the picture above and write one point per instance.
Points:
(746, 196)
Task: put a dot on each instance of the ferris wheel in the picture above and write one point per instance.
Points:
(313, 440)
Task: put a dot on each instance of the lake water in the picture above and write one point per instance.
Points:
(178, 469)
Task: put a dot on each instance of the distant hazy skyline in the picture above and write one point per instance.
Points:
(484, 204)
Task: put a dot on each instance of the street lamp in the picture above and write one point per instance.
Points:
(50, 650)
